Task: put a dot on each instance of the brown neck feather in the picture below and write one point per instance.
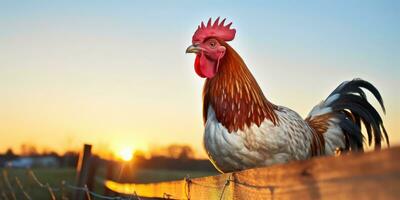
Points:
(235, 96)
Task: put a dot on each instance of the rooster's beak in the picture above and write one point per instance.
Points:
(193, 49)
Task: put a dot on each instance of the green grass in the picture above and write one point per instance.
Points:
(53, 177)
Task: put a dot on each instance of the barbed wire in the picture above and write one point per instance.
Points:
(4, 195)
(85, 189)
(225, 185)
(27, 196)
(271, 188)
(228, 181)
(189, 182)
(7, 182)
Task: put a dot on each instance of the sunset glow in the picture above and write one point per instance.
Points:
(125, 154)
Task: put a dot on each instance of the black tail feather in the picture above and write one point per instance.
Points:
(352, 108)
(355, 85)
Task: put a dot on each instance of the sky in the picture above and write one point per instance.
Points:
(114, 73)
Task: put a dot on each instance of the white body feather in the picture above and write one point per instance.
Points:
(258, 146)
(334, 137)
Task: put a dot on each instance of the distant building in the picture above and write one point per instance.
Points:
(24, 162)
(28, 162)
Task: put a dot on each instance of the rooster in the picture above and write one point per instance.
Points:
(244, 130)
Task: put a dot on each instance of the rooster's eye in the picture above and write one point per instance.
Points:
(212, 44)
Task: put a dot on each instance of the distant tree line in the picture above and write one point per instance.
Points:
(171, 157)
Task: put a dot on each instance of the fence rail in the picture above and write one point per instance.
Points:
(371, 175)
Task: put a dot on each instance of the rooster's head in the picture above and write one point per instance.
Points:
(208, 47)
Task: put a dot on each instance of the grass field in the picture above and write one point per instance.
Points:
(54, 178)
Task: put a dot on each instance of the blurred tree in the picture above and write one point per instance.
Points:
(28, 150)
(139, 155)
(177, 151)
(9, 155)
(186, 152)
(70, 159)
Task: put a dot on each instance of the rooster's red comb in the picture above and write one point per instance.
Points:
(215, 30)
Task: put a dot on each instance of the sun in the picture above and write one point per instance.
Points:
(125, 153)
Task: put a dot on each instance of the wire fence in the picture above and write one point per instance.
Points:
(14, 189)
(219, 189)
(189, 182)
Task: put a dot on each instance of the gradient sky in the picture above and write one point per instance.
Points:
(114, 73)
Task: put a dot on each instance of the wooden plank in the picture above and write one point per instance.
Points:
(372, 175)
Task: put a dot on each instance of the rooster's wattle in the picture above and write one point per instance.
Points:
(244, 130)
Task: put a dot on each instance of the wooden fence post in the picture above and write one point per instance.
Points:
(83, 171)
(90, 183)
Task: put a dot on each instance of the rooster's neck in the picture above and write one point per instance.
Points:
(235, 95)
